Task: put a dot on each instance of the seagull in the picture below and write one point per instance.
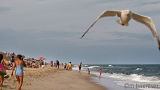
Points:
(124, 17)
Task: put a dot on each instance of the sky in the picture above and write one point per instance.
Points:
(52, 29)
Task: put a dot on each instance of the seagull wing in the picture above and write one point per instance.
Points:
(104, 14)
(149, 23)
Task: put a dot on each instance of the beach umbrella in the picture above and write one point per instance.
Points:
(41, 58)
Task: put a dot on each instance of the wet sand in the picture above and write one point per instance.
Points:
(52, 79)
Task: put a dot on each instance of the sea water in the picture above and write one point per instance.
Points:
(126, 77)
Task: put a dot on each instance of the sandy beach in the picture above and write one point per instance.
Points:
(52, 79)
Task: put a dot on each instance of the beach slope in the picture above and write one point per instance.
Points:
(52, 79)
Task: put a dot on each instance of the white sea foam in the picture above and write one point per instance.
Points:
(132, 77)
(85, 65)
(92, 67)
(138, 69)
(122, 79)
(76, 68)
(110, 65)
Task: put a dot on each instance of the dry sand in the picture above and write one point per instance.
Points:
(52, 79)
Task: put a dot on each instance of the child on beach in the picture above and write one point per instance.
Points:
(19, 70)
(100, 73)
(65, 66)
(2, 70)
(88, 71)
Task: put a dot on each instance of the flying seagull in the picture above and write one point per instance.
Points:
(124, 17)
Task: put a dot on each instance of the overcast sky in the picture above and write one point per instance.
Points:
(52, 29)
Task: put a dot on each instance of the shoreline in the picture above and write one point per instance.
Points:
(108, 83)
(52, 79)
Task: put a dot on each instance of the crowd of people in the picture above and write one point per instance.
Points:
(35, 63)
(64, 65)
(18, 62)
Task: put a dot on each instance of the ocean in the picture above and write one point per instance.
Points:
(126, 77)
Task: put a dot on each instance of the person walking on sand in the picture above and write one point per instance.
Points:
(80, 66)
(19, 70)
(2, 70)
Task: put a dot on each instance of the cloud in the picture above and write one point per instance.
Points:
(4, 9)
(52, 28)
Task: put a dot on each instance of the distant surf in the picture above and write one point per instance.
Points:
(128, 74)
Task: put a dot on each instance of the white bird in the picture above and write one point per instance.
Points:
(125, 16)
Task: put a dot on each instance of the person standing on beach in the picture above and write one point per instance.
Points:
(57, 64)
(70, 65)
(19, 70)
(80, 66)
(89, 71)
(40, 62)
(12, 58)
(51, 63)
(65, 66)
(2, 70)
(100, 73)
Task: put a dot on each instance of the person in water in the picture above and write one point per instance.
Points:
(100, 73)
(19, 70)
(80, 66)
